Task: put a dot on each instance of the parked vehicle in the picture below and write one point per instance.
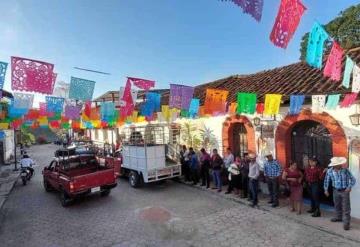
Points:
(76, 172)
(149, 153)
(109, 157)
(25, 175)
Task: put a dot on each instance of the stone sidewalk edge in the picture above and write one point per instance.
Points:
(5, 197)
(243, 202)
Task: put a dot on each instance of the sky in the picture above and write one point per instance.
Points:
(186, 42)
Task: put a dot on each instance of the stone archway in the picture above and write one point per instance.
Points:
(228, 127)
(283, 134)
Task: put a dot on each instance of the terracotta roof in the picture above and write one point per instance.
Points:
(297, 78)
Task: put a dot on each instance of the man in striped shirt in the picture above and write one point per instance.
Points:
(342, 182)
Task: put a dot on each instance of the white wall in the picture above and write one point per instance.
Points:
(8, 144)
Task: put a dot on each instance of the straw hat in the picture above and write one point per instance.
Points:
(337, 161)
(252, 156)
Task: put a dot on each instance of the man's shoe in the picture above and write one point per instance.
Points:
(253, 205)
(214, 188)
(316, 214)
(346, 227)
(335, 220)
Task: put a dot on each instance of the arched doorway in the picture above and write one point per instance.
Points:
(310, 139)
(239, 144)
(239, 135)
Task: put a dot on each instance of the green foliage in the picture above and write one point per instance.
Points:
(208, 139)
(26, 137)
(344, 29)
(189, 136)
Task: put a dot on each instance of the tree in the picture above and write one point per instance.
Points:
(208, 138)
(189, 136)
(344, 29)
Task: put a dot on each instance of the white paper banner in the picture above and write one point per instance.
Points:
(318, 103)
(356, 80)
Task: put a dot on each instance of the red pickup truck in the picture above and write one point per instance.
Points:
(78, 174)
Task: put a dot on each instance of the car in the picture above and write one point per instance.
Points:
(73, 173)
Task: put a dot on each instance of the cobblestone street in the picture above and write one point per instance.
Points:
(170, 214)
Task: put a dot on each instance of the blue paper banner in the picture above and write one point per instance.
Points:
(315, 46)
(3, 67)
(194, 107)
(81, 89)
(347, 73)
(2, 135)
(296, 102)
(17, 112)
(107, 110)
(332, 101)
(151, 105)
(54, 104)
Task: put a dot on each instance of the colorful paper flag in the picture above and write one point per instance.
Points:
(62, 90)
(318, 103)
(180, 96)
(128, 104)
(3, 67)
(232, 108)
(349, 100)
(246, 103)
(296, 103)
(23, 101)
(72, 110)
(81, 89)
(287, 21)
(356, 79)
(260, 108)
(347, 73)
(194, 108)
(332, 101)
(315, 46)
(272, 104)
(251, 7)
(333, 64)
(32, 75)
(54, 104)
(215, 101)
(142, 83)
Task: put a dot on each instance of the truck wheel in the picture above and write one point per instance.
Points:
(134, 179)
(47, 186)
(105, 192)
(64, 199)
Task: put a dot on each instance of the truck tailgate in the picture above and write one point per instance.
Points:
(94, 179)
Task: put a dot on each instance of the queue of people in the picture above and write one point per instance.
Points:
(242, 176)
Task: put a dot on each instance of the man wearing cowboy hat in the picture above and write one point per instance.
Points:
(272, 172)
(342, 182)
(254, 172)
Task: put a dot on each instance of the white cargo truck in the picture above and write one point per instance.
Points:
(149, 153)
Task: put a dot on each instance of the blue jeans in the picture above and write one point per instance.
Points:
(217, 178)
(253, 185)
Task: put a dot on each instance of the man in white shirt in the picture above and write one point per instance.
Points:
(27, 162)
(254, 173)
(228, 158)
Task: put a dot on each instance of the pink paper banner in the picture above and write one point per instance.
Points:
(287, 21)
(333, 64)
(32, 76)
(349, 99)
(142, 83)
(128, 104)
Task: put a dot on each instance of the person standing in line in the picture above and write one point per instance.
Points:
(342, 182)
(293, 176)
(254, 173)
(313, 176)
(216, 164)
(228, 160)
(204, 168)
(194, 166)
(234, 176)
(272, 172)
(184, 160)
(244, 169)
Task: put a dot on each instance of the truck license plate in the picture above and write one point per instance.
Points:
(96, 189)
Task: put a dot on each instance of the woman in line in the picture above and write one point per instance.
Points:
(234, 176)
(204, 168)
(293, 176)
(216, 164)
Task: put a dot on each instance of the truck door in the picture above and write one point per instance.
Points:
(53, 177)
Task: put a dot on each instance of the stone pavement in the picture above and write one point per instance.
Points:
(170, 214)
(8, 178)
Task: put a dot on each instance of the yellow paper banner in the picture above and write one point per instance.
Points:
(272, 104)
(4, 126)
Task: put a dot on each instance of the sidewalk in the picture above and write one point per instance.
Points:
(321, 223)
(8, 178)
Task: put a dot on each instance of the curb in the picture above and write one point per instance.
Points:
(5, 197)
(265, 209)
